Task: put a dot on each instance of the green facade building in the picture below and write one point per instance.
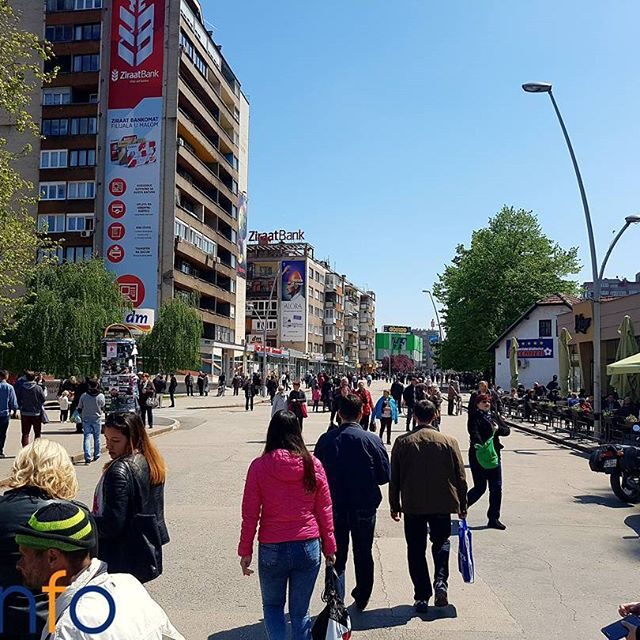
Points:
(397, 344)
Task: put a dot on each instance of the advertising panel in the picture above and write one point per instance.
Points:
(391, 328)
(533, 348)
(133, 148)
(241, 269)
(293, 304)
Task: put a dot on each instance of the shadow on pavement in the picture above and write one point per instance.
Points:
(250, 632)
(608, 500)
(633, 522)
(396, 617)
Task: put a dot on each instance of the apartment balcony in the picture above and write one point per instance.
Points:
(184, 280)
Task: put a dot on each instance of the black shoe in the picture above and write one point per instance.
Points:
(361, 605)
(496, 524)
(441, 599)
(421, 606)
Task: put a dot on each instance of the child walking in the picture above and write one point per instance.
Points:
(64, 401)
(315, 396)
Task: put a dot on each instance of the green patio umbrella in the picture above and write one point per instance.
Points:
(564, 361)
(513, 362)
(626, 383)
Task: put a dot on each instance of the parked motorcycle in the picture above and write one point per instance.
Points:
(622, 464)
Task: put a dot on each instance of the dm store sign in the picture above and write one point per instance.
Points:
(133, 148)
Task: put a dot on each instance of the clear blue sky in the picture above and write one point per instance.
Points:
(390, 130)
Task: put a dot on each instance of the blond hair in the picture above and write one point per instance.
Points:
(46, 465)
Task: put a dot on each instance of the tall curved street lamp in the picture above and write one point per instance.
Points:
(597, 274)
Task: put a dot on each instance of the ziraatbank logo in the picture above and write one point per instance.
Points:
(136, 32)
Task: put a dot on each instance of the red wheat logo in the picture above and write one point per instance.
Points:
(136, 31)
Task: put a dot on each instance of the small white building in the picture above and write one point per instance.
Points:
(537, 333)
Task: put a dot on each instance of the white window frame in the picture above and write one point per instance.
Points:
(80, 5)
(53, 159)
(81, 190)
(43, 222)
(54, 190)
(74, 218)
(58, 95)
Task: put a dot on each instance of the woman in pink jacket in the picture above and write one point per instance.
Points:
(287, 492)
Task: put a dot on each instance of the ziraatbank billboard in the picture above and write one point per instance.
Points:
(133, 148)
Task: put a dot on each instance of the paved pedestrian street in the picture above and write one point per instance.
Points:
(567, 559)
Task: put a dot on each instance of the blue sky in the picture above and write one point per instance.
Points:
(389, 131)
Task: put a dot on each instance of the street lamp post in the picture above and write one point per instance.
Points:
(545, 87)
(427, 291)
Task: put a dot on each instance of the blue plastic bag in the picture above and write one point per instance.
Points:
(465, 553)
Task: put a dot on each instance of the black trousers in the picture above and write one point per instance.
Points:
(481, 479)
(360, 524)
(172, 397)
(190, 390)
(146, 413)
(410, 418)
(248, 403)
(385, 423)
(4, 425)
(416, 529)
(450, 406)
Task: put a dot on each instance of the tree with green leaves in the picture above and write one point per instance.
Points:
(22, 54)
(510, 265)
(64, 315)
(174, 342)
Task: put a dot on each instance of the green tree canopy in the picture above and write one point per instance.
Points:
(21, 73)
(174, 342)
(510, 265)
(63, 318)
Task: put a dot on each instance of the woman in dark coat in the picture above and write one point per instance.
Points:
(298, 402)
(129, 500)
(482, 426)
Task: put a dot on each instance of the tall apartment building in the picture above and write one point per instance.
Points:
(367, 331)
(613, 288)
(144, 159)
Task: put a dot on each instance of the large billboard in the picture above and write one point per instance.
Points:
(293, 303)
(392, 328)
(133, 148)
(241, 269)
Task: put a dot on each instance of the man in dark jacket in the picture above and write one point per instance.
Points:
(173, 385)
(396, 393)
(356, 463)
(409, 397)
(30, 400)
(428, 484)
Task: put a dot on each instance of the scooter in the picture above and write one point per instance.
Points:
(622, 464)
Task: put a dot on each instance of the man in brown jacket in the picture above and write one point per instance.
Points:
(428, 484)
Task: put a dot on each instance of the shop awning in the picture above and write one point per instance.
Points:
(627, 365)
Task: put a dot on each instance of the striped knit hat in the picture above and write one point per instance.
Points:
(58, 525)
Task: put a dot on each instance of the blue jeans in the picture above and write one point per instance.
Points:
(288, 563)
(91, 431)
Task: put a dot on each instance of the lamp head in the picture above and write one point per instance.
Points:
(632, 219)
(537, 87)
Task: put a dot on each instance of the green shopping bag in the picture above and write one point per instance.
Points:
(487, 455)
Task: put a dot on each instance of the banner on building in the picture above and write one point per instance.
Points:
(533, 348)
(241, 269)
(392, 328)
(293, 304)
(133, 148)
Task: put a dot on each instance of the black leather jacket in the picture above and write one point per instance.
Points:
(126, 491)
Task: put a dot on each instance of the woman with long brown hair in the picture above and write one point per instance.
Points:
(287, 492)
(129, 500)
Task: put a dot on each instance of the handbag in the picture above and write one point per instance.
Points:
(76, 417)
(44, 418)
(144, 539)
(303, 410)
(466, 565)
(486, 454)
(151, 402)
(334, 622)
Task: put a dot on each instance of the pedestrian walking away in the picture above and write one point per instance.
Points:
(64, 402)
(222, 384)
(8, 405)
(396, 393)
(90, 408)
(188, 383)
(386, 411)
(200, 382)
(56, 545)
(287, 494)
(315, 396)
(147, 400)
(173, 385)
(249, 393)
(357, 464)
(367, 405)
(280, 401)
(298, 402)
(30, 397)
(428, 484)
(160, 386)
(132, 485)
(409, 397)
(485, 430)
(453, 394)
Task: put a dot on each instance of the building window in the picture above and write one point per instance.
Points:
(194, 56)
(51, 224)
(60, 5)
(53, 190)
(53, 159)
(81, 190)
(90, 62)
(80, 222)
(82, 158)
(57, 95)
(55, 127)
(83, 126)
(544, 328)
(181, 230)
(87, 4)
(87, 32)
(78, 254)
(59, 33)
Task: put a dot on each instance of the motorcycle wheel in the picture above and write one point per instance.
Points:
(622, 491)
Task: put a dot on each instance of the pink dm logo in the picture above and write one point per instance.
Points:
(136, 32)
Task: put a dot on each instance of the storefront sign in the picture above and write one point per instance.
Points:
(391, 328)
(272, 351)
(140, 320)
(281, 235)
(133, 148)
(533, 348)
(293, 305)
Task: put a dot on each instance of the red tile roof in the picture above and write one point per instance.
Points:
(560, 298)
